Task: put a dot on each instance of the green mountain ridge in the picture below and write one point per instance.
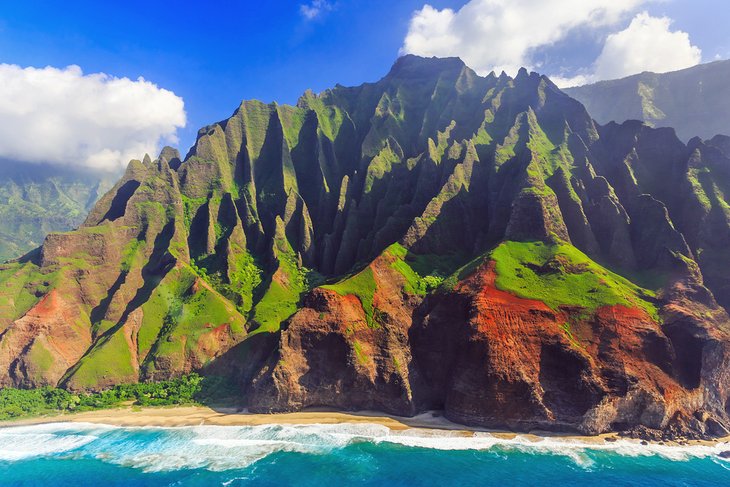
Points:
(694, 101)
(337, 252)
(36, 199)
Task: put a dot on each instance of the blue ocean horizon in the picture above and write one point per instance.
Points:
(66, 454)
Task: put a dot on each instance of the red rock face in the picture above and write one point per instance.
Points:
(329, 356)
(501, 360)
(489, 358)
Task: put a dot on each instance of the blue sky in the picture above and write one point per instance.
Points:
(214, 54)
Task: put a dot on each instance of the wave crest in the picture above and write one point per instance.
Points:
(219, 448)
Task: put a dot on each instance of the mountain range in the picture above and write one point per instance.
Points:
(433, 240)
(694, 101)
(36, 199)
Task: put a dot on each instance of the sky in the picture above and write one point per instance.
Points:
(93, 84)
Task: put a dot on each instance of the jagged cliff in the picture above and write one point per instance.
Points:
(433, 240)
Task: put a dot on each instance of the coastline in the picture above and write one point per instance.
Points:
(186, 416)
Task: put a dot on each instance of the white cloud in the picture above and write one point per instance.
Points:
(62, 116)
(314, 9)
(502, 34)
(647, 44)
(570, 81)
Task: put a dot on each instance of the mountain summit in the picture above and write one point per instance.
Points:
(434, 240)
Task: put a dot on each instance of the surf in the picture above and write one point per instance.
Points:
(219, 448)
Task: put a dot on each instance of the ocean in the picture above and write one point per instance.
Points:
(80, 454)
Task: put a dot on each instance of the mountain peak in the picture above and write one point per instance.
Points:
(411, 65)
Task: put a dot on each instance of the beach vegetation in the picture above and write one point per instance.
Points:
(190, 389)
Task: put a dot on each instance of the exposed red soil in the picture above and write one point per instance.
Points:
(503, 360)
(51, 323)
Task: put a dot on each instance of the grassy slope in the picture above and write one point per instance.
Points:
(20, 286)
(281, 297)
(560, 274)
(362, 284)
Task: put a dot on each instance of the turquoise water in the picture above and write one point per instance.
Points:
(66, 454)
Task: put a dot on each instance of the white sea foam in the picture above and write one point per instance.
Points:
(234, 447)
(18, 443)
(570, 447)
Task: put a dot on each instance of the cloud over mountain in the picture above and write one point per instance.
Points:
(499, 35)
(647, 44)
(66, 117)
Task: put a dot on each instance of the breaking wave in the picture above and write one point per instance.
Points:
(219, 448)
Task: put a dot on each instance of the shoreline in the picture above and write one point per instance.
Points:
(186, 416)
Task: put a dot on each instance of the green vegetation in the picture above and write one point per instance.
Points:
(40, 356)
(482, 139)
(569, 334)
(362, 285)
(508, 148)
(281, 297)
(20, 288)
(405, 263)
(36, 201)
(255, 116)
(162, 308)
(181, 310)
(277, 304)
(130, 253)
(239, 283)
(244, 276)
(462, 272)
(560, 274)
(436, 150)
(188, 389)
(111, 359)
(434, 264)
(190, 207)
(380, 165)
(362, 357)
(176, 318)
(292, 119)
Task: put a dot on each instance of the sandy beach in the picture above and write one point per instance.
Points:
(202, 415)
(130, 416)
